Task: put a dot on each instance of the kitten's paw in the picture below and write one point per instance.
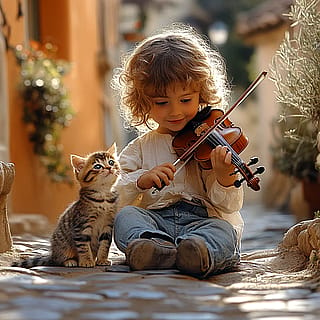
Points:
(104, 262)
(86, 264)
(70, 263)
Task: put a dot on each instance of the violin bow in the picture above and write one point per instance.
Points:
(245, 94)
(187, 155)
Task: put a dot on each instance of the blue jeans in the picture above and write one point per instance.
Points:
(178, 222)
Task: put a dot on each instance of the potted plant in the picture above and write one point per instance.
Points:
(295, 70)
(46, 104)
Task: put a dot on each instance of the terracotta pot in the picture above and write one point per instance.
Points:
(311, 193)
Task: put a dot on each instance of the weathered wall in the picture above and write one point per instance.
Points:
(73, 28)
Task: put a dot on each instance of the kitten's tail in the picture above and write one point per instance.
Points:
(33, 262)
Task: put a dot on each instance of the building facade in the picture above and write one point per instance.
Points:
(85, 33)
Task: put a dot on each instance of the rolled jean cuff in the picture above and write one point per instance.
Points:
(156, 234)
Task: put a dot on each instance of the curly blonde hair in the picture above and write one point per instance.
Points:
(177, 54)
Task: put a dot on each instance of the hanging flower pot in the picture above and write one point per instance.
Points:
(46, 104)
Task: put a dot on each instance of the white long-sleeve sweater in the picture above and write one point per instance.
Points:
(190, 183)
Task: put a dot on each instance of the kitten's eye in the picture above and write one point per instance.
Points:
(97, 166)
(111, 162)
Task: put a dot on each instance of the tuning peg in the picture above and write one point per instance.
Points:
(238, 183)
(252, 161)
(253, 183)
(234, 172)
(259, 170)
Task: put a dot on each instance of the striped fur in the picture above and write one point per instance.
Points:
(83, 234)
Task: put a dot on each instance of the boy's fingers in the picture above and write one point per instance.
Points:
(228, 157)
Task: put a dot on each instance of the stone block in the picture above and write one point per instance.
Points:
(6, 179)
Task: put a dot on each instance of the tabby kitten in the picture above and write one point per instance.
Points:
(83, 234)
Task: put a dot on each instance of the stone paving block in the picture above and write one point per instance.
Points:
(261, 288)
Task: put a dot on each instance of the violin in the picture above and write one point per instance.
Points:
(225, 134)
(210, 128)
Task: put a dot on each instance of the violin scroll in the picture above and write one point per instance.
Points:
(252, 180)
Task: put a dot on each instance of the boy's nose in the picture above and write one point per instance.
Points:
(175, 108)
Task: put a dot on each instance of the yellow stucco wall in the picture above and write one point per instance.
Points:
(73, 28)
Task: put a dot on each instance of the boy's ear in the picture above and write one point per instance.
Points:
(77, 162)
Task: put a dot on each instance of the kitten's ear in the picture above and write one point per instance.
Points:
(113, 149)
(77, 162)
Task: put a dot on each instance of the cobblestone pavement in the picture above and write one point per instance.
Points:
(53, 293)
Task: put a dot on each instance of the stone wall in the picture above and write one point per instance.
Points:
(4, 153)
(6, 180)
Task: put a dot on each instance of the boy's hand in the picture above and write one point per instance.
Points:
(163, 173)
(221, 162)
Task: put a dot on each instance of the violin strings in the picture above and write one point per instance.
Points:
(215, 139)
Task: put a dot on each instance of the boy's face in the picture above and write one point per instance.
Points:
(174, 110)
